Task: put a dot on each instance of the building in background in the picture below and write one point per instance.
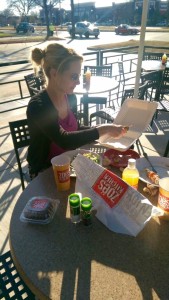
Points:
(129, 12)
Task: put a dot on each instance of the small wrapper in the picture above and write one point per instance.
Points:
(151, 189)
(152, 176)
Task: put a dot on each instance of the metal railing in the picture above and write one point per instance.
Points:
(12, 90)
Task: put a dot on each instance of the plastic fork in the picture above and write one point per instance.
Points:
(146, 157)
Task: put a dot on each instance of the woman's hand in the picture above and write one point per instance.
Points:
(115, 131)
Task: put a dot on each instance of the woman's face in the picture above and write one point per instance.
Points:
(68, 80)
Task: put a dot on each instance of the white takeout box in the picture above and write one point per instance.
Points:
(135, 113)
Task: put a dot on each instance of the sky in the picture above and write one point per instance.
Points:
(3, 5)
(99, 3)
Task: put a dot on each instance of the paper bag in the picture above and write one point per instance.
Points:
(119, 207)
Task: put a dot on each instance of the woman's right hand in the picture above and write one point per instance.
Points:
(115, 131)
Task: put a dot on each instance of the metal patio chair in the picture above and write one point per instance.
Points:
(34, 84)
(154, 79)
(164, 87)
(87, 100)
(80, 116)
(105, 71)
(11, 284)
(21, 138)
(109, 113)
(125, 79)
(152, 56)
(158, 88)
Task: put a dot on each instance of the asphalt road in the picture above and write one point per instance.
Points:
(20, 51)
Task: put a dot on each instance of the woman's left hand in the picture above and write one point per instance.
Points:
(115, 131)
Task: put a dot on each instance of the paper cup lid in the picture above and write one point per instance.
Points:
(164, 183)
(60, 160)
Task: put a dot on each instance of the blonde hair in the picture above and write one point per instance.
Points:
(54, 56)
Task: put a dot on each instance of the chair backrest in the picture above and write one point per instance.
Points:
(105, 71)
(163, 88)
(154, 80)
(73, 105)
(152, 56)
(33, 91)
(21, 138)
(86, 100)
(165, 76)
(129, 93)
(33, 83)
(154, 76)
(120, 67)
(121, 70)
(93, 100)
(11, 284)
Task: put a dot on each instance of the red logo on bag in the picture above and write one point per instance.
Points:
(110, 187)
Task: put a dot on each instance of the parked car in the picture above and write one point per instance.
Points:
(85, 28)
(25, 27)
(126, 29)
(67, 24)
(162, 24)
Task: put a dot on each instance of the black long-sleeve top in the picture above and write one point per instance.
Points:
(43, 121)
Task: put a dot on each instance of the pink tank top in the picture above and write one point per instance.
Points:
(68, 124)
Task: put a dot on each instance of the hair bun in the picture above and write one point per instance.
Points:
(37, 55)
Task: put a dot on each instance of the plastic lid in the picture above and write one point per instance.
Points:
(132, 163)
(39, 210)
(86, 204)
(74, 200)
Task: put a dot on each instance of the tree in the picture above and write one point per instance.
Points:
(22, 7)
(7, 12)
(72, 18)
(6, 16)
(52, 3)
(47, 5)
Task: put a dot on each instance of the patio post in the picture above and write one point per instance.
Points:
(141, 45)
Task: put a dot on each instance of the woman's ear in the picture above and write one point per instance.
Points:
(53, 72)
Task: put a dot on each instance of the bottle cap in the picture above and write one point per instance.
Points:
(132, 163)
(74, 200)
(86, 204)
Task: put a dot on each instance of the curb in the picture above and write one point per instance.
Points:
(13, 40)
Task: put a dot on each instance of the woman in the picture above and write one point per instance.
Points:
(52, 123)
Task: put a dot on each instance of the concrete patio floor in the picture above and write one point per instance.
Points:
(154, 141)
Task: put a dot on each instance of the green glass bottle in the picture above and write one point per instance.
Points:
(86, 205)
(74, 202)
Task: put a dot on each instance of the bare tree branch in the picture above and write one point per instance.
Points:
(52, 3)
(23, 7)
(7, 12)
